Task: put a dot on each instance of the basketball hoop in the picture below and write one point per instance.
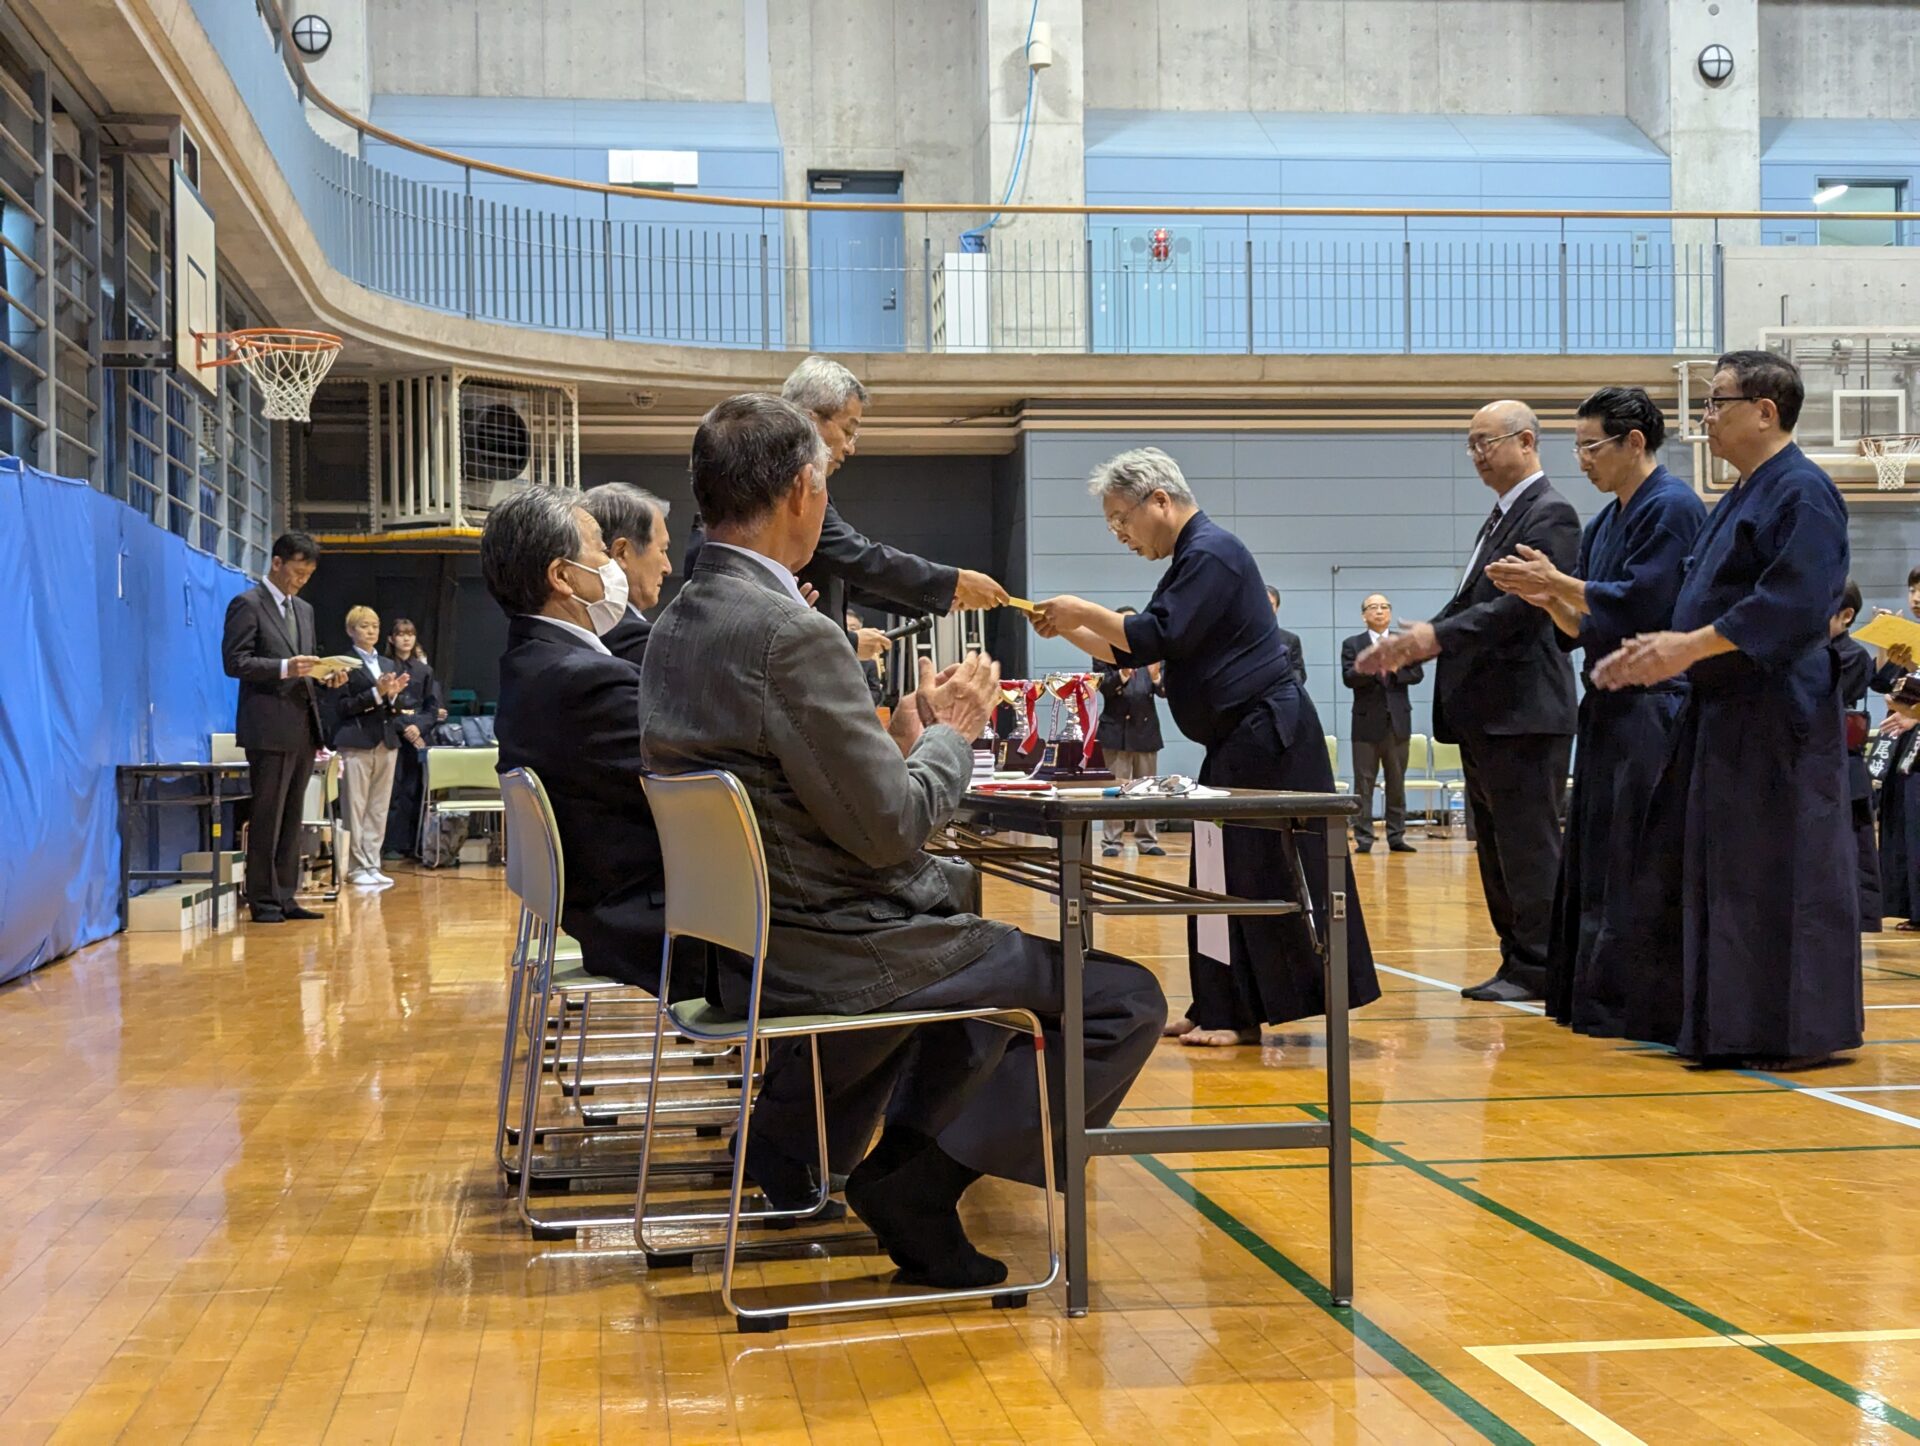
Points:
(1890, 455)
(286, 365)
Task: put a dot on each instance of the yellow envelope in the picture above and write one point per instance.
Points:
(1027, 607)
(1889, 630)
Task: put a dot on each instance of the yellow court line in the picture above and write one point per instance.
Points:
(1592, 1423)
(1596, 1425)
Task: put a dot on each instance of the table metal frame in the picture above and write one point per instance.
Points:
(129, 787)
(1085, 889)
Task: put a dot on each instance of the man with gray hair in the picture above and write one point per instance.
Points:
(845, 561)
(1229, 683)
(633, 525)
(742, 675)
(1503, 691)
(570, 711)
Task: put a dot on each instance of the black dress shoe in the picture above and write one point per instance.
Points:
(269, 916)
(911, 1205)
(294, 911)
(1365, 848)
(1402, 848)
(1500, 991)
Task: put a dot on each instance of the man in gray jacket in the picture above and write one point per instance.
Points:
(741, 674)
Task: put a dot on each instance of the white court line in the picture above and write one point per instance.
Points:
(1454, 988)
(1893, 1006)
(1834, 1097)
(1596, 1425)
(1871, 1089)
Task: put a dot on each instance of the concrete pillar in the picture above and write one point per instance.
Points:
(1038, 268)
(345, 72)
(1711, 131)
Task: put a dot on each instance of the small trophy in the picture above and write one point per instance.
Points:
(1015, 754)
(1073, 752)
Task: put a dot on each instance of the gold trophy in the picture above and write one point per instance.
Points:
(1073, 752)
(1011, 754)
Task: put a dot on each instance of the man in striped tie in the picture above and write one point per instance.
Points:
(1503, 690)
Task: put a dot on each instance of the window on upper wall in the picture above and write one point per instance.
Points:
(1837, 198)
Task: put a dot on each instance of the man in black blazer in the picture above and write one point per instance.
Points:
(847, 562)
(1503, 690)
(570, 711)
(1130, 741)
(269, 645)
(1381, 727)
(633, 527)
(1292, 640)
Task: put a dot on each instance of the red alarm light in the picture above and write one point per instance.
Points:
(1161, 244)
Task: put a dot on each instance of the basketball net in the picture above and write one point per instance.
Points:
(1890, 455)
(286, 365)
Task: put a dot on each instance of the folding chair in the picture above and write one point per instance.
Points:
(1451, 773)
(467, 777)
(1420, 779)
(540, 979)
(717, 891)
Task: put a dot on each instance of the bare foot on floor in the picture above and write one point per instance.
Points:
(1177, 1028)
(1219, 1038)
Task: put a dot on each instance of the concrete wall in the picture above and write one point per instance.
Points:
(1853, 58)
(587, 49)
(1821, 285)
(1476, 57)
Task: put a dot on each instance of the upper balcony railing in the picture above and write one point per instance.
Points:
(479, 239)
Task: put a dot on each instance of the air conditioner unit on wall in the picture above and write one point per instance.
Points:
(445, 446)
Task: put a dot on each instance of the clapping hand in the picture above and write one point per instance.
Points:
(1530, 575)
(1399, 650)
(1642, 661)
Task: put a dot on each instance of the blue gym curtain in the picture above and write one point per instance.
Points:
(109, 654)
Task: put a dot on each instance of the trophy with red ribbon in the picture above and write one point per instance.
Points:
(1073, 752)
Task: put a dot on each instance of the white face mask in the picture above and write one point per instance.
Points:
(605, 614)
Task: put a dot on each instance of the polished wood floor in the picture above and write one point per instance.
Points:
(248, 1197)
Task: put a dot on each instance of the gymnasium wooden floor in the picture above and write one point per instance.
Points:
(249, 1199)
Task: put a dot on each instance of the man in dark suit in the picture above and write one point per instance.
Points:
(1382, 724)
(1292, 640)
(570, 711)
(741, 675)
(1503, 690)
(1130, 742)
(269, 646)
(846, 562)
(633, 526)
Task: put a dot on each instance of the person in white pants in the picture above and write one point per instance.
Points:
(366, 734)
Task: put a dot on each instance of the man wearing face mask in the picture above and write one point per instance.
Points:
(570, 711)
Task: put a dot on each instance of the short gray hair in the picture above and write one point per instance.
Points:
(822, 386)
(523, 537)
(747, 453)
(1138, 474)
(624, 510)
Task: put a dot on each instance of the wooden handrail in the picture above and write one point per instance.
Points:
(304, 85)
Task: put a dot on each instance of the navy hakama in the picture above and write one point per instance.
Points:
(1899, 851)
(1749, 852)
(1632, 560)
(1229, 684)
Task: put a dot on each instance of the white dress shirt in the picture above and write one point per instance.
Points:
(587, 635)
(1505, 504)
(281, 601)
(778, 569)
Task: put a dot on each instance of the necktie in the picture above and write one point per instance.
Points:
(1480, 541)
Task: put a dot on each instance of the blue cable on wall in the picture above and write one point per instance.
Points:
(976, 239)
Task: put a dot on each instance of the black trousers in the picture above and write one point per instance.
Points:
(1388, 756)
(961, 1083)
(279, 783)
(403, 810)
(1514, 788)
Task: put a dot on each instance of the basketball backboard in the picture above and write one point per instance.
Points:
(195, 302)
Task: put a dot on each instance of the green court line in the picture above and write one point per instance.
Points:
(1569, 1159)
(1889, 969)
(1865, 1402)
(1457, 1100)
(1399, 1356)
